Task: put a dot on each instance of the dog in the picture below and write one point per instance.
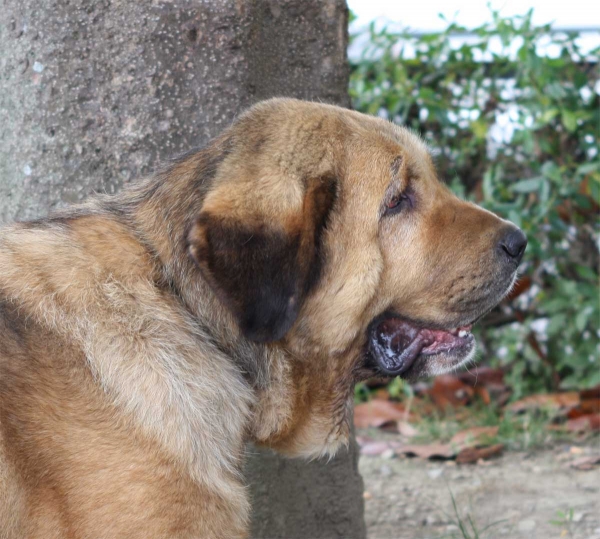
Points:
(236, 295)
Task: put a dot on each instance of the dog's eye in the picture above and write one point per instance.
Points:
(398, 203)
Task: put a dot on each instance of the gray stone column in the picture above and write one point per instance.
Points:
(95, 93)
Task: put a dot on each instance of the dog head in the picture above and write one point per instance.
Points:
(326, 234)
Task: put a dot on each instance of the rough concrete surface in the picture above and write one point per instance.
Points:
(330, 493)
(93, 93)
(96, 93)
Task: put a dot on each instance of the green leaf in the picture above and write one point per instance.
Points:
(587, 168)
(487, 186)
(479, 128)
(551, 170)
(557, 324)
(528, 186)
(586, 273)
(582, 317)
(556, 305)
(515, 218)
(547, 116)
(569, 120)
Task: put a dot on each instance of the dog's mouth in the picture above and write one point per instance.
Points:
(396, 345)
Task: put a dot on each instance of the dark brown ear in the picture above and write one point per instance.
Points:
(263, 265)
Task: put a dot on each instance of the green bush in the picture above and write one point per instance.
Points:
(543, 173)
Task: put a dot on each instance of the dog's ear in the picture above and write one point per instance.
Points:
(260, 249)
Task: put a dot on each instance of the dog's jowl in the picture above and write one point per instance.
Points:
(236, 295)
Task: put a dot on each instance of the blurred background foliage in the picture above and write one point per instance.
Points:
(511, 112)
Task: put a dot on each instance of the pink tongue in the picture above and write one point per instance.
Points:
(439, 337)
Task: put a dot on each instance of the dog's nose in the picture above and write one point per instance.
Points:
(513, 244)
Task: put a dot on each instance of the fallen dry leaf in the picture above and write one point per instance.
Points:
(469, 455)
(593, 393)
(440, 451)
(483, 394)
(576, 412)
(488, 384)
(374, 449)
(589, 422)
(449, 391)
(482, 376)
(466, 446)
(377, 413)
(552, 401)
(586, 463)
(474, 436)
(406, 429)
(382, 394)
(590, 406)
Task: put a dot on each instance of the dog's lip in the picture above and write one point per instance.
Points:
(395, 343)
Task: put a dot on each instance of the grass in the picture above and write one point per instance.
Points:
(467, 526)
(519, 432)
(566, 521)
(525, 431)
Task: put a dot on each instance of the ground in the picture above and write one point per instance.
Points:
(537, 495)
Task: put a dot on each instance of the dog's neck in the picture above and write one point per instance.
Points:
(160, 211)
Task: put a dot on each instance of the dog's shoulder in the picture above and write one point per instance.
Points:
(58, 264)
(96, 293)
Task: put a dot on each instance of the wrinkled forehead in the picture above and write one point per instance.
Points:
(380, 152)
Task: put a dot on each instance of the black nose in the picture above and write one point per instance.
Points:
(513, 244)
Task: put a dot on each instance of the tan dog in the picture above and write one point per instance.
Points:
(237, 295)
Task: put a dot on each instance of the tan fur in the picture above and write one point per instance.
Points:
(128, 389)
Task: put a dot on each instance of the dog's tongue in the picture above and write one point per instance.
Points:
(396, 343)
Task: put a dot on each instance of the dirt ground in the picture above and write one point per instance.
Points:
(519, 494)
